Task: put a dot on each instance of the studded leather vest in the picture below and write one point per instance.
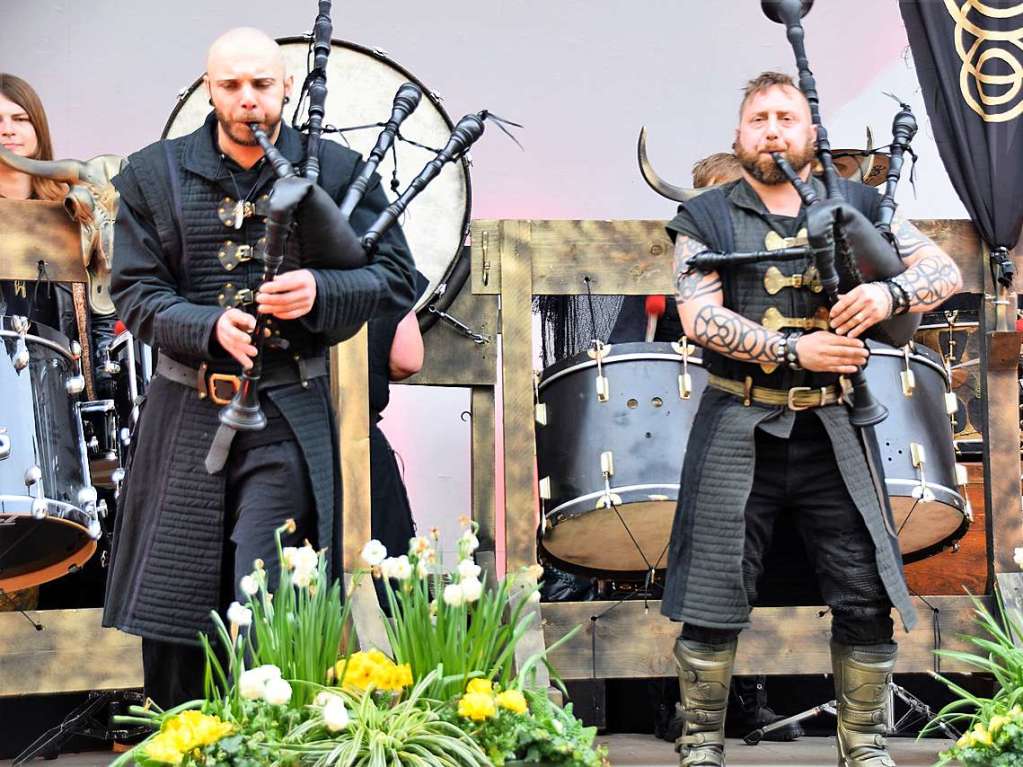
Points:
(785, 296)
(223, 248)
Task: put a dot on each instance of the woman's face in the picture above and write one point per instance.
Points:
(16, 131)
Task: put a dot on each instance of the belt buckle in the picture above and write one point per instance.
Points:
(217, 378)
(791, 403)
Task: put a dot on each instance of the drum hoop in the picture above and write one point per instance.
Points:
(457, 272)
(912, 355)
(35, 339)
(960, 504)
(620, 358)
(619, 489)
(946, 327)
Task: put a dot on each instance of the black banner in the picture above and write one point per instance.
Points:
(969, 60)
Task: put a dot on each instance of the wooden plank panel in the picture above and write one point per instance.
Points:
(483, 468)
(629, 640)
(519, 437)
(454, 359)
(635, 256)
(72, 653)
(34, 231)
(349, 377)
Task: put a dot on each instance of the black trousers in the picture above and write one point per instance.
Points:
(266, 486)
(800, 475)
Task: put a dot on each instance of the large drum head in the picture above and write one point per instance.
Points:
(360, 89)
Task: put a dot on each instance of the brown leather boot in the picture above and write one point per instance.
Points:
(704, 674)
(862, 676)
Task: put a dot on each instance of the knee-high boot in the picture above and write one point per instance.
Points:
(862, 675)
(704, 674)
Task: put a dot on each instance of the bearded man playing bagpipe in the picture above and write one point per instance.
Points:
(772, 432)
(190, 242)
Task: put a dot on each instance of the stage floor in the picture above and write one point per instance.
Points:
(647, 751)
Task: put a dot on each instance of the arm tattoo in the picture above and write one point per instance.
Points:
(689, 282)
(930, 281)
(908, 238)
(735, 336)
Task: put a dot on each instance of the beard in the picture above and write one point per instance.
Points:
(763, 168)
(239, 132)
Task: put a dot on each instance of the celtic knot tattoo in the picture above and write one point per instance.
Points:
(735, 336)
(908, 237)
(930, 281)
(691, 283)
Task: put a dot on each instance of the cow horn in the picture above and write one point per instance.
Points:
(659, 185)
(68, 171)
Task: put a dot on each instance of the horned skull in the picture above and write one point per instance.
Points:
(92, 203)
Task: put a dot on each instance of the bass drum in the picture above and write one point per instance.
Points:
(361, 84)
(611, 436)
(925, 484)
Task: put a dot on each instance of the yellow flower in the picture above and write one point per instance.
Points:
(477, 706)
(163, 748)
(966, 741)
(373, 669)
(981, 735)
(480, 686)
(997, 722)
(513, 700)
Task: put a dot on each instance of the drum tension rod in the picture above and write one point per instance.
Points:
(465, 330)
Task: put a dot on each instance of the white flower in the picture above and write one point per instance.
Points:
(468, 569)
(251, 684)
(398, 568)
(288, 557)
(239, 616)
(269, 671)
(418, 545)
(453, 595)
(302, 578)
(306, 559)
(470, 540)
(249, 585)
(335, 715)
(422, 568)
(277, 692)
(1018, 557)
(472, 589)
(534, 597)
(373, 553)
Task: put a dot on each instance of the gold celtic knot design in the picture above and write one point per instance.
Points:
(990, 91)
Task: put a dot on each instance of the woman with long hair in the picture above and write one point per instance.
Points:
(25, 131)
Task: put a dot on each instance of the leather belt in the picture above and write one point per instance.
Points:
(796, 398)
(220, 388)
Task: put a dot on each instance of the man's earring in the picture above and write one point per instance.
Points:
(287, 99)
(211, 101)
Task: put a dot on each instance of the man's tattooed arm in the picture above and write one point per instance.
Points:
(932, 276)
(707, 322)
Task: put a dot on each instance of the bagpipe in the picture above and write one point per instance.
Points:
(296, 201)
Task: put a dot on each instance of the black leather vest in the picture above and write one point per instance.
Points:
(782, 295)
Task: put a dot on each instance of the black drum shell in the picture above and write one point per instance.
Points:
(644, 424)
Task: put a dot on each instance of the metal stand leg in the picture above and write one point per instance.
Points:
(83, 721)
(918, 712)
(758, 734)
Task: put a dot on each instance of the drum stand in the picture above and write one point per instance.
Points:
(917, 711)
(83, 721)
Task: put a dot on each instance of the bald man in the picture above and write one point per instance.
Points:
(186, 279)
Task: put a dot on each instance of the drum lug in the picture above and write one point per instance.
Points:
(951, 405)
(5, 444)
(21, 359)
(607, 468)
(919, 455)
(39, 508)
(75, 385)
(598, 351)
(541, 413)
(908, 377)
(603, 389)
(545, 488)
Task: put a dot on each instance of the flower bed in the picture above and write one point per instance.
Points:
(291, 693)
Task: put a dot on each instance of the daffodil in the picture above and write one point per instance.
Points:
(480, 686)
(477, 706)
(512, 700)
